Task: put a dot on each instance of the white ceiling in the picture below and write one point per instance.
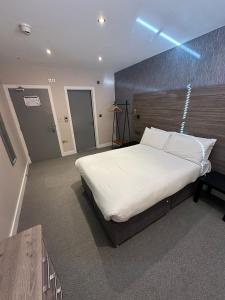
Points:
(70, 29)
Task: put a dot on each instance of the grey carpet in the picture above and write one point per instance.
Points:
(181, 256)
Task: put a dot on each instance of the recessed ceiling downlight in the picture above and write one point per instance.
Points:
(48, 51)
(25, 28)
(101, 20)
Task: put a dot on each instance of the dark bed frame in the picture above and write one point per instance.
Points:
(122, 231)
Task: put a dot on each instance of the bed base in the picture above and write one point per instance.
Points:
(120, 232)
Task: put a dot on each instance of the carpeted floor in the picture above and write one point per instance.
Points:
(180, 257)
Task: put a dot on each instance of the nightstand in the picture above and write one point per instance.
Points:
(213, 180)
(132, 143)
(119, 144)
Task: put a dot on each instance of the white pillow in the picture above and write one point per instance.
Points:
(189, 147)
(154, 137)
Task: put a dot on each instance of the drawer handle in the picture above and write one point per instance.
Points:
(47, 285)
(48, 273)
(52, 276)
(44, 260)
(58, 293)
(45, 289)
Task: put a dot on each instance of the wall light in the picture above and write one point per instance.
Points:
(100, 58)
(167, 37)
(48, 51)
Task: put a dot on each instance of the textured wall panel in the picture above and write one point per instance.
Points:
(176, 68)
(205, 118)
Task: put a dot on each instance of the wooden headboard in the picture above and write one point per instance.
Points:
(205, 118)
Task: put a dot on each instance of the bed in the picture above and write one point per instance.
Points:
(132, 187)
(139, 168)
(127, 181)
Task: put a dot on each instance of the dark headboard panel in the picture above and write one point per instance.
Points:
(158, 109)
(205, 118)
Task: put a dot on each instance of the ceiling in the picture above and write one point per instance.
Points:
(70, 29)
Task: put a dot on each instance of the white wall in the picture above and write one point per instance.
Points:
(10, 176)
(19, 74)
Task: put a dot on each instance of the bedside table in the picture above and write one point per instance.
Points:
(118, 145)
(128, 144)
(213, 180)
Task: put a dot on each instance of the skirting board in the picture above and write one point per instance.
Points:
(104, 145)
(19, 202)
(67, 153)
(71, 152)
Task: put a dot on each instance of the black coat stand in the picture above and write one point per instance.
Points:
(116, 126)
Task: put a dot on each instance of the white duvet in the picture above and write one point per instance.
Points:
(127, 181)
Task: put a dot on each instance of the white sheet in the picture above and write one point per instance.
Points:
(127, 181)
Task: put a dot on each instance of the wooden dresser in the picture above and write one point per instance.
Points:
(26, 271)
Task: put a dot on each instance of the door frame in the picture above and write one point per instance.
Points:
(94, 111)
(16, 121)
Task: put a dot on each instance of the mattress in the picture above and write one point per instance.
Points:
(127, 181)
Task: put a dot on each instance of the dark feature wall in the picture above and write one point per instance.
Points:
(175, 68)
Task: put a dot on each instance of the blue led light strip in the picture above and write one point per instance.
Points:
(170, 39)
(183, 123)
(186, 107)
(147, 25)
(167, 37)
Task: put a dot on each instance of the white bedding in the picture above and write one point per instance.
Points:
(127, 181)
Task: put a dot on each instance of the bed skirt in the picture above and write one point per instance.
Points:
(118, 232)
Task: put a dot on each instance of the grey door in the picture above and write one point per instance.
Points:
(36, 123)
(80, 102)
